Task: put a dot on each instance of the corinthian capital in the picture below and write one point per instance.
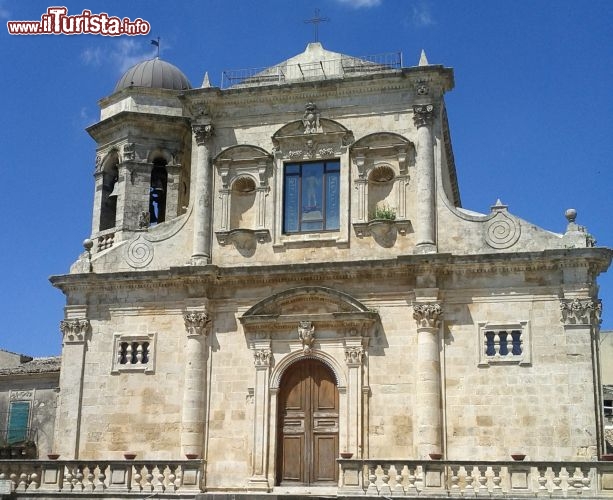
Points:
(202, 133)
(427, 315)
(196, 323)
(423, 114)
(262, 357)
(354, 355)
(74, 330)
(581, 312)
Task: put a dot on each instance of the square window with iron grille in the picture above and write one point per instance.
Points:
(504, 343)
(311, 197)
(134, 353)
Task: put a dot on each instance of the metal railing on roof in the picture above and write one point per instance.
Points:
(317, 70)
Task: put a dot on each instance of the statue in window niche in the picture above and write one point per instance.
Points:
(310, 120)
(157, 193)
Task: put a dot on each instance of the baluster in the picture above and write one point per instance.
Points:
(372, 478)
(159, 484)
(171, 486)
(137, 478)
(469, 491)
(411, 478)
(482, 481)
(34, 479)
(542, 480)
(496, 344)
(496, 479)
(557, 481)
(89, 484)
(398, 489)
(455, 481)
(571, 483)
(23, 482)
(68, 484)
(139, 353)
(148, 486)
(585, 482)
(77, 480)
(385, 487)
(101, 477)
(129, 354)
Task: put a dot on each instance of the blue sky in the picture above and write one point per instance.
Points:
(531, 116)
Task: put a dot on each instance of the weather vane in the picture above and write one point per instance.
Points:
(157, 44)
(315, 22)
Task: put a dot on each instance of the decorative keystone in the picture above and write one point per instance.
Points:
(306, 333)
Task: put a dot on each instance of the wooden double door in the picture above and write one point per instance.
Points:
(307, 432)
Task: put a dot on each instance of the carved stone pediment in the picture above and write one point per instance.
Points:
(243, 158)
(319, 306)
(382, 145)
(329, 140)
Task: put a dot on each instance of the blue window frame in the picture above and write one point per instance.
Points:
(311, 197)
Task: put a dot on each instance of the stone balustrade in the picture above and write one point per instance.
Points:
(457, 478)
(103, 476)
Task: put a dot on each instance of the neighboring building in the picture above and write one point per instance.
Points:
(281, 270)
(28, 397)
(606, 369)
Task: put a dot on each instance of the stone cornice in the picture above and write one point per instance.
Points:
(128, 119)
(596, 260)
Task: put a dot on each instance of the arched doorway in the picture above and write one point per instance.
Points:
(307, 425)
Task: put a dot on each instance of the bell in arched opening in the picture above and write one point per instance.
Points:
(157, 192)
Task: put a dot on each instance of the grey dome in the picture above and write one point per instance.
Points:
(154, 73)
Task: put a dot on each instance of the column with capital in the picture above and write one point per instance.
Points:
(201, 253)
(428, 411)
(423, 115)
(354, 357)
(192, 420)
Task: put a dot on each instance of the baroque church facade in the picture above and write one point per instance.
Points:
(281, 271)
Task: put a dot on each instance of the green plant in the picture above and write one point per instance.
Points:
(384, 212)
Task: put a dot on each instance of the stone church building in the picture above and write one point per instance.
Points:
(280, 272)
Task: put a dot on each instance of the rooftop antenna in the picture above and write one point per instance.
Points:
(157, 44)
(315, 22)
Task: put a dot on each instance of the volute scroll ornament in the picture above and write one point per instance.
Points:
(196, 323)
(75, 330)
(306, 334)
(427, 315)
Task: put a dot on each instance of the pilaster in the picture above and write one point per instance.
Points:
(262, 358)
(76, 331)
(197, 324)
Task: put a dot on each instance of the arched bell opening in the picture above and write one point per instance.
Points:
(158, 191)
(110, 191)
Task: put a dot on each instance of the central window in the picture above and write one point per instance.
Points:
(311, 197)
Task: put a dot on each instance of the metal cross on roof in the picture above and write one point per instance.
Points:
(315, 22)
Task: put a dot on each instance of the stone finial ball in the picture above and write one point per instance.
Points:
(571, 214)
(88, 244)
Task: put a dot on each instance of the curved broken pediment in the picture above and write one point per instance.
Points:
(326, 126)
(321, 305)
(242, 153)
